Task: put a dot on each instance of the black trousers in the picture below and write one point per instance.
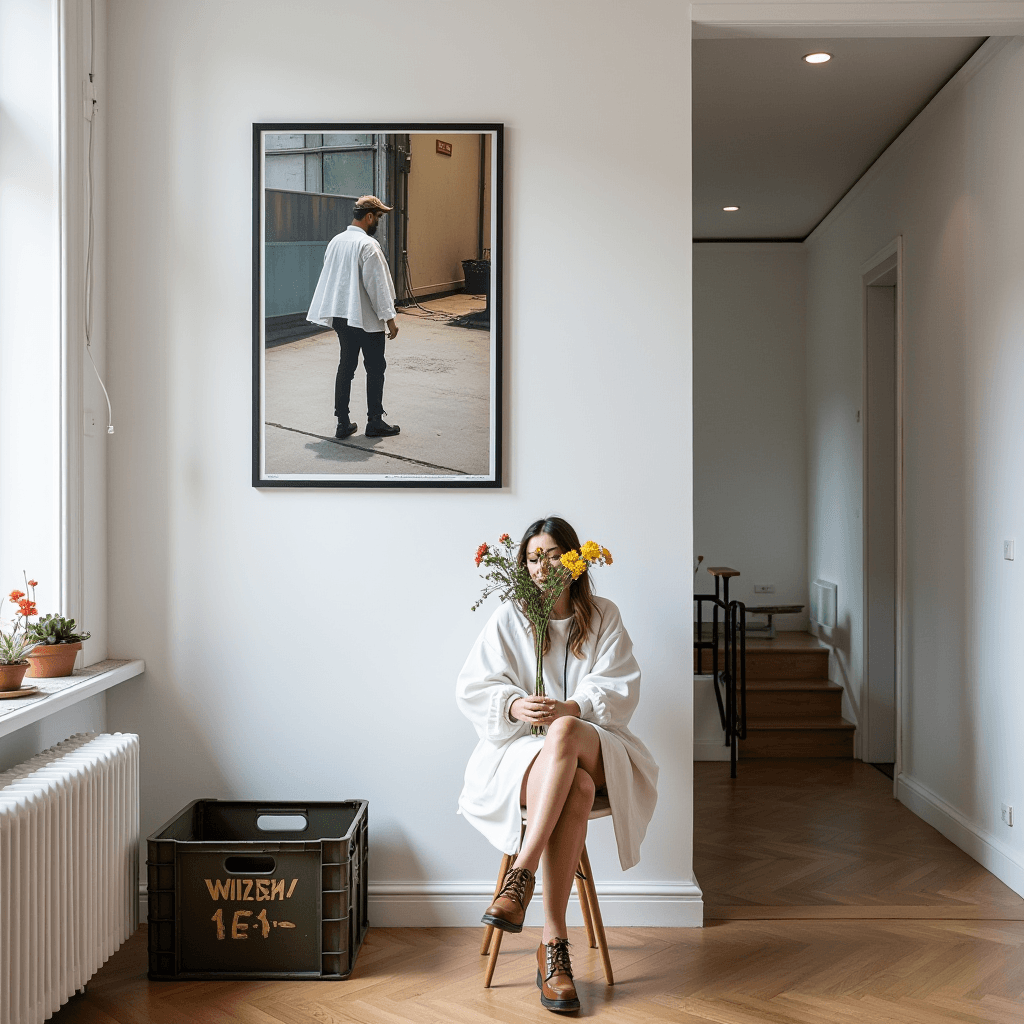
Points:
(371, 344)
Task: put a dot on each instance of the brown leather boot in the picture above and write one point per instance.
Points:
(509, 907)
(554, 977)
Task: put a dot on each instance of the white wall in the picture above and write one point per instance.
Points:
(749, 408)
(953, 191)
(304, 644)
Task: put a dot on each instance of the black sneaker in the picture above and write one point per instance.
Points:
(345, 430)
(378, 428)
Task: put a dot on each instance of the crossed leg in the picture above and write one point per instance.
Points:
(558, 792)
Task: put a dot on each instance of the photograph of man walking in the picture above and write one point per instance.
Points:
(369, 244)
(356, 296)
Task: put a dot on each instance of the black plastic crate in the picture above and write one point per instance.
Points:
(239, 889)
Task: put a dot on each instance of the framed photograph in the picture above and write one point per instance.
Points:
(377, 288)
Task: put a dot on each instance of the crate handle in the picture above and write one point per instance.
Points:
(250, 865)
(270, 821)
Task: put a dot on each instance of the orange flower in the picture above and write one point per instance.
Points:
(504, 537)
(480, 552)
(33, 583)
(607, 556)
(27, 607)
(16, 596)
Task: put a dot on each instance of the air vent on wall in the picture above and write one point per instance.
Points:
(823, 603)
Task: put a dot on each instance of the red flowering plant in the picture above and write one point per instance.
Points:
(50, 629)
(14, 645)
(26, 602)
(511, 581)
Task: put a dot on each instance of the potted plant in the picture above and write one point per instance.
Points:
(14, 646)
(57, 643)
(54, 642)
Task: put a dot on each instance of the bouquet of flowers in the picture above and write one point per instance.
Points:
(537, 598)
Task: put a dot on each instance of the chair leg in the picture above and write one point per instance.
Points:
(584, 895)
(492, 960)
(602, 941)
(506, 860)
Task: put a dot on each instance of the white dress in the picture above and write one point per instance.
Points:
(606, 685)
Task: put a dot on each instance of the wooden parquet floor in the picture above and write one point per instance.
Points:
(926, 935)
(825, 838)
(734, 972)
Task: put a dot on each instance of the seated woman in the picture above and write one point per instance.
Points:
(587, 747)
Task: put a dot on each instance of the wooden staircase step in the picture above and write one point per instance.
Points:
(805, 685)
(780, 737)
(777, 663)
(813, 702)
(782, 664)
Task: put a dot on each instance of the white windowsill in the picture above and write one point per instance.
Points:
(62, 693)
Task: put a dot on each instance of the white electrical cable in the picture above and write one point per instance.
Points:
(89, 200)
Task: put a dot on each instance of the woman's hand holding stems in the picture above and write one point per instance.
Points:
(543, 710)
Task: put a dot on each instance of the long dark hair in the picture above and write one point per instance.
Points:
(581, 591)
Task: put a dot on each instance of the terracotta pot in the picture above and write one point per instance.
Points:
(51, 660)
(12, 675)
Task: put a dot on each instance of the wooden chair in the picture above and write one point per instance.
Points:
(588, 903)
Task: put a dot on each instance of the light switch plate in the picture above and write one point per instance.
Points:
(1008, 550)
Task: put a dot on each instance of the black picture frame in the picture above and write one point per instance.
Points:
(299, 372)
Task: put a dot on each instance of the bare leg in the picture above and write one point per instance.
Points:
(558, 790)
(562, 855)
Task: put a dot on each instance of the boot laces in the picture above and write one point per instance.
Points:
(515, 884)
(557, 957)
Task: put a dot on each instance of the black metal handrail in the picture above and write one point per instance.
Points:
(730, 679)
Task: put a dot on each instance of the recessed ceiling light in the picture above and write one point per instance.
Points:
(730, 209)
(817, 58)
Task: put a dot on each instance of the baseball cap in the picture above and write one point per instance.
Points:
(371, 203)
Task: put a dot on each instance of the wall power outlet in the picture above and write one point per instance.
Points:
(764, 588)
(1006, 813)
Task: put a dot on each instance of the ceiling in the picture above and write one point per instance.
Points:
(784, 140)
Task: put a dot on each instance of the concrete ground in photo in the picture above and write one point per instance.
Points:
(436, 388)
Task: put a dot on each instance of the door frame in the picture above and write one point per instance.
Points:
(887, 258)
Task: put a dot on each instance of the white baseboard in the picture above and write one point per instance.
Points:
(710, 750)
(989, 851)
(460, 904)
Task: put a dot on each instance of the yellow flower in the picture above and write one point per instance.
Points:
(591, 551)
(572, 561)
(607, 556)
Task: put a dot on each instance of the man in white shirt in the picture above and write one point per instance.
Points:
(356, 296)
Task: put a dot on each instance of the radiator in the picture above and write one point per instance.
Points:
(69, 869)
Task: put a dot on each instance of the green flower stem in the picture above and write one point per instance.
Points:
(540, 628)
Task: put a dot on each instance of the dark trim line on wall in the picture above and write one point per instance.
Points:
(697, 241)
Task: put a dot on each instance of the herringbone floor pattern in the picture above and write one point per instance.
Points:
(800, 839)
(825, 838)
(736, 972)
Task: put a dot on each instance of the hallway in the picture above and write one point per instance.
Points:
(824, 839)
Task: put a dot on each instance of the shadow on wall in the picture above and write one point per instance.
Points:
(837, 638)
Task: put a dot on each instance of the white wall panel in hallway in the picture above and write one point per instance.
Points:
(953, 190)
(749, 409)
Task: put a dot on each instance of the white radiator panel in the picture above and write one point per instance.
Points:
(69, 838)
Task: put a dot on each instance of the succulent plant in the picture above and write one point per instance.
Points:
(14, 646)
(54, 629)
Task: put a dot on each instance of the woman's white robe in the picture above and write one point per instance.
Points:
(606, 685)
